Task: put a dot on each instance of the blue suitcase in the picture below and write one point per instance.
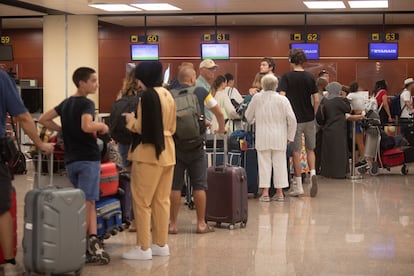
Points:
(250, 165)
(108, 217)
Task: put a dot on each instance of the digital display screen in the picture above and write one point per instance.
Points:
(144, 52)
(215, 50)
(311, 49)
(382, 51)
(6, 52)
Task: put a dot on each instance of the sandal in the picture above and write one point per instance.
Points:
(206, 230)
(172, 232)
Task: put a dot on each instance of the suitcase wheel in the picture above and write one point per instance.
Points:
(243, 224)
(374, 170)
(404, 170)
(114, 231)
(191, 205)
(231, 226)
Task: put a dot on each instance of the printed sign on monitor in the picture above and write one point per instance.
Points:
(215, 50)
(311, 49)
(381, 51)
(144, 52)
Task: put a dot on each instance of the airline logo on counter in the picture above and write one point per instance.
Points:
(144, 39)
(212, 37)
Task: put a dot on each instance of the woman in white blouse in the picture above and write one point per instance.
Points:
(224, 101)
(275, 128)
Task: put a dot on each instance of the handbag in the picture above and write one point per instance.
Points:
(17, 162)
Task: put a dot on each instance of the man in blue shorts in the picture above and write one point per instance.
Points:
(82, 156)
(299, 87)
(11, 103)
(193, 157)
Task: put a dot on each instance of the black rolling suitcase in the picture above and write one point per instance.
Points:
(227, 193)
(54, 237)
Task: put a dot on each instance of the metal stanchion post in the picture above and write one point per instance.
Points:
(353, 176)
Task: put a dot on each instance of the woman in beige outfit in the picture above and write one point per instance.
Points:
(153, 161)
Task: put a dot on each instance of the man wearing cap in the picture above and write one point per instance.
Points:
(207, 74)
(406, 102)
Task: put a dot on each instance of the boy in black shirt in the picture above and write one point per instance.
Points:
(82, 156)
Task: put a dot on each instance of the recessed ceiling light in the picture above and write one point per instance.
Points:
(324, 4)
(368, 4)
(157, 7)
(114, 7)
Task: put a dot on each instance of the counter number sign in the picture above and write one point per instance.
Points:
(5, 39)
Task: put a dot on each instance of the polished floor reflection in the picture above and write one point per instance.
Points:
(361, 227)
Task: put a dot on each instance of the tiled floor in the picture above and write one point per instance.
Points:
(360, 227)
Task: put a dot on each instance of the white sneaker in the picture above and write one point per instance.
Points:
(137, 253)
(296, 192)
(160, 250)
(12, 270)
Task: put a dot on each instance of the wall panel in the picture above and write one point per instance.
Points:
(343, 49)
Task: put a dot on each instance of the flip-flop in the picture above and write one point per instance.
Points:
(172, 232)
(206, 230)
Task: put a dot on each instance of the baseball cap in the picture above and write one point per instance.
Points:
(408, 81)
(208, 63)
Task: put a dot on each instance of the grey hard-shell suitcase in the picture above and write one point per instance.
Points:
(227, 193)
(54, 237)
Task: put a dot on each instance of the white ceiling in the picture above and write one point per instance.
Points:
(193, 13)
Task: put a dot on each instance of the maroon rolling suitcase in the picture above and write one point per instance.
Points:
(227, 192)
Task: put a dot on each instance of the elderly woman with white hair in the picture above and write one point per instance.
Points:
(275, 128)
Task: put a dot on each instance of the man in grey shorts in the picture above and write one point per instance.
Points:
(191, 156)
(299, 86)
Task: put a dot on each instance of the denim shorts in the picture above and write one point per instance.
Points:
(85, 175)
(5, 188)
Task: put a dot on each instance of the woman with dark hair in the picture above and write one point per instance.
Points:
(223, 100)
(153, 161)
(380, 90)
(232, 91)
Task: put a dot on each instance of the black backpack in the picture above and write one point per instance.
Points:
(117, 123)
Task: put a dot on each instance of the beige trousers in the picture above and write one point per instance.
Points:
(151, 188)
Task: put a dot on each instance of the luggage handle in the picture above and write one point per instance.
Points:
(111, 214)
(39, 171)
(225, 152)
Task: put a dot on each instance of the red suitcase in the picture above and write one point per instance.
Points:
(109, 179)
(13, 211)
(392, 157)
(227, 193)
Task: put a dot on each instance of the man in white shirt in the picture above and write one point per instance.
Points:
(406, 102)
